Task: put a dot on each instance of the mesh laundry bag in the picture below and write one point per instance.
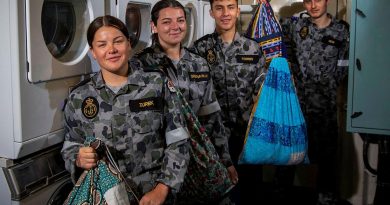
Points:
(276, 132)
(266, 30)
(103, 184)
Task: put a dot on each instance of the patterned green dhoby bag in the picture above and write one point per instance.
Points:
(102, 185)
(207, 179)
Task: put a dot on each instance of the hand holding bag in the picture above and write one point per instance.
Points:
(102, 185)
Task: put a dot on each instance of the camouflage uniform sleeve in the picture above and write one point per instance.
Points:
(74, 138)
(176, 154)
(343, 56)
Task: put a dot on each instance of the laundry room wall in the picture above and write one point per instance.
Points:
(357, 184)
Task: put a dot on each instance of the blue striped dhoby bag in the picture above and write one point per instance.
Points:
(266, 30)
(276, 132)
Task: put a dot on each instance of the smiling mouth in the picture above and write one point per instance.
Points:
(115, 58)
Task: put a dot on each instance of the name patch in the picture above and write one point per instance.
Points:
(248, 59)
(151, 104)
(199, 76)
(90, 107)
(329, 40)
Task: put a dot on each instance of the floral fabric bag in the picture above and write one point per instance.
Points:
(207, 179)
(102, 185)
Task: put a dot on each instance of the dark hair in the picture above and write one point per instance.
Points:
(162, 4)
(106, 20)
(212, 1)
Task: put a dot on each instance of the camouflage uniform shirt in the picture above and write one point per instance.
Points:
(236, 69)
(141, 124)
(320, 61)
(192, 75)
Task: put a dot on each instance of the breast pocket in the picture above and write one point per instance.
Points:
(145, 121)
(331, 47)
(198, 84)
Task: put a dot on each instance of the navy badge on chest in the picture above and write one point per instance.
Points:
(90, 107)
(304, 32)
(211, 56)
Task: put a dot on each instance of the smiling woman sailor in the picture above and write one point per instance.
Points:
(132, 113)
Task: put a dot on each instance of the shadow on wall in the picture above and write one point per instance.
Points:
(288, 11)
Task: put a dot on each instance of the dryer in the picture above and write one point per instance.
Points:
(192, 12)
(44, 53)
(208, 23)
(39, 179)
(136, 15)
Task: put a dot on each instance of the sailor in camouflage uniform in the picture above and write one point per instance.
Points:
(320, 62)
(237, 66)
(192, 75)
(132, 112)
(188, 71)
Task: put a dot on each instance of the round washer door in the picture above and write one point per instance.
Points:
(191, 18)
(56, 38)
(136, 16)
(61, 193)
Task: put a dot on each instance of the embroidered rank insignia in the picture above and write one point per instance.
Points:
(199, 76)
(151, 104)
(329, 40)
(248, 58)
(90, 107)
(211, 57)
(304, 32)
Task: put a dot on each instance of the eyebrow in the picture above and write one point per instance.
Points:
(115, 38)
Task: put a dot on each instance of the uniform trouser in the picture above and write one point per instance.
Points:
(249, 189)
(323, 141)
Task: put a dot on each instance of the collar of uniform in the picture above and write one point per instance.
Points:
(98, 80)
(218, 38)
(159, 54)
(136, 77)
(131, 79)
(184, 54)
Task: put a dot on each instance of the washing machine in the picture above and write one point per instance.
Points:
(44, 55)
(136, 15)
(39, 179)
(208, 23)
(192, 12)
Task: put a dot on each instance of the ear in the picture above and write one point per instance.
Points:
(92, 52)
(153, 27)
(211, 13)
